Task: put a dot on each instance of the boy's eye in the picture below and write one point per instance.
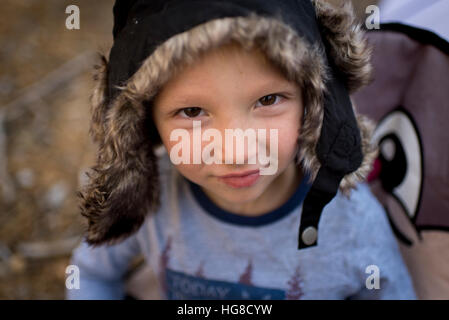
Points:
(193, 112)
(190, 112)
(269, 99)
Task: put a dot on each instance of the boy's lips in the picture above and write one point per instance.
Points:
(242, 179)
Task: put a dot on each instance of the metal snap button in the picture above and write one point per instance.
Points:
(309, 235)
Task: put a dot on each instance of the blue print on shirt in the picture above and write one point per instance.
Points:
(182, 286)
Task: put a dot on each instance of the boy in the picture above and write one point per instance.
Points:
(218, 228)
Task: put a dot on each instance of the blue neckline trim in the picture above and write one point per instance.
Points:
(211, 208)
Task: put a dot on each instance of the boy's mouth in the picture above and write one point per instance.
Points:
(242, 179)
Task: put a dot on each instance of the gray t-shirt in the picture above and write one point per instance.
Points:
(200, 251)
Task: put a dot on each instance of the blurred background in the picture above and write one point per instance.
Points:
(45, 149)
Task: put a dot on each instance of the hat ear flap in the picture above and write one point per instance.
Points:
(345, 42)
(123, 185)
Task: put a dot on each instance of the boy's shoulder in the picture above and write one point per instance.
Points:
(360, 214)
(361, 201)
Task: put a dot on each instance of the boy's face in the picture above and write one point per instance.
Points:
(229, 88)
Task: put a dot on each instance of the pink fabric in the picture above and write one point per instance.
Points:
(415, 76)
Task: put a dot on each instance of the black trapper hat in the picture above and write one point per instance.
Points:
(152, 36)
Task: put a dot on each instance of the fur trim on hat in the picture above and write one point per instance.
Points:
(124, 183)
(347, 46)
(349, 50)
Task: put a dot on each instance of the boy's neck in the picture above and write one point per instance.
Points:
(277, 193)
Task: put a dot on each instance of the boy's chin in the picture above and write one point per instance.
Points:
(238, 195)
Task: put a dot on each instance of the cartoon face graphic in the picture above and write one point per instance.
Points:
(409, 101)
(399, 170)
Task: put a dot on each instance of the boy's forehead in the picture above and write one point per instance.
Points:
(199, 91)
(227, 62)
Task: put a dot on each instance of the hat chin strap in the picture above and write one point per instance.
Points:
(322, 191)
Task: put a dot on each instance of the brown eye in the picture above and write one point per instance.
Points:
(268, 100)
(191, 112)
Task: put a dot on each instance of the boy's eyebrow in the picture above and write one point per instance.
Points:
(275, 86)
(271, 87)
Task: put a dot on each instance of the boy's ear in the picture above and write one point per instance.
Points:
(345, 42)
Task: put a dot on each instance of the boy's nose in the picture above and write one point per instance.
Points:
(239, 143)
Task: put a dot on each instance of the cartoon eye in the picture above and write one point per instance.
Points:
(393, 161)
(388, 149)
(401, 157)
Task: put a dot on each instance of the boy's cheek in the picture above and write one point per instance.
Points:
(189, 171)
(287, 136)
